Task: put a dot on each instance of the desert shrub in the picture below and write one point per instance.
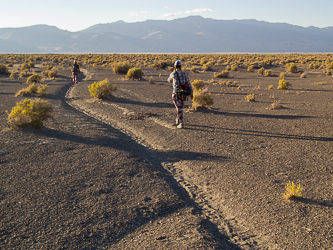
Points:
(52, 73)
(12, 76)
(23, 74)
(194, 69)
(33, 89)
(270, 87)
(282, 75)
(283, 84)
(224, 73)
(134, 73)
(10, 65)
(228, 67)
(197, 84)
(207, 67)
(169, 68)
(151, 80)
(121, 67)
(328, 73)
(49, 66)
(160, 64)
(228, 83)
(29, 112)
(261, 71)
(201, 99)
(41, 89)
(45, 73)
(250, 97)
(268, 72)
(34, 78)
(234, 68)
(303, 75)
(293, 191)
(102, 89)
(3, 69)
(31, 64)
(275, 105)
(291, 67)
(250, 68)
(25, 66)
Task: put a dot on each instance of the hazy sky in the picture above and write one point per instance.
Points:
(81, 14)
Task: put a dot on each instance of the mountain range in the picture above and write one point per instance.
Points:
(192, 34)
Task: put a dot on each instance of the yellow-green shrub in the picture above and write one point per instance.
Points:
(268, 72)
(207, 67)
(291, 67)
(33, 89)
(12, 76)
(134, 73)
(201, 97)
(52, 73)
(121, 67)
(261, 71)
(29, 112)
(234, 68)
(283, 84)
(250, 68)
(3, 69)
(293, 191)
(224, 73)
(250, 98)
(34, 78)
(102, 89)
(194, 69)
(25, 66)
(197, 84)
(282, 75)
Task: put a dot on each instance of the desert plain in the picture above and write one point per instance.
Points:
(117, 174)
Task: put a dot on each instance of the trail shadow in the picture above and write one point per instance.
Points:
(316, 202)
(146, 104)
(262, 133)
(140, 153)
(267, 116)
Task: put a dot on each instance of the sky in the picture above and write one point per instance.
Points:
(81, 14)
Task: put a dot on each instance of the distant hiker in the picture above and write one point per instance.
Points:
(75, 71)
(182, 88)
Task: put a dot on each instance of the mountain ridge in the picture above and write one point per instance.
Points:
(193, 34)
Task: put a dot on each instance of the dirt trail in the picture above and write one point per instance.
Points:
(211, 208)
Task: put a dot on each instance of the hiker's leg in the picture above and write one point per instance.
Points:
(76, 74)
(179, 106)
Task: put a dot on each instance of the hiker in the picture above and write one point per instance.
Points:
(182, 88)
(75, 71)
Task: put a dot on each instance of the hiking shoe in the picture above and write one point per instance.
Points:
(177, 121)
(181, 125)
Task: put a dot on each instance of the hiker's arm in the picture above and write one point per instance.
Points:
(171, 77)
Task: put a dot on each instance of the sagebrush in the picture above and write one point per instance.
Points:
(29, 112)
(102, 89)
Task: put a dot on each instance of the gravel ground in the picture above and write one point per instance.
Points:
(117, 174)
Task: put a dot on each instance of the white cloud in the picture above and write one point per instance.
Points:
(170, 15)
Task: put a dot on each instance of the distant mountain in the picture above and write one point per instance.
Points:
(192, 34)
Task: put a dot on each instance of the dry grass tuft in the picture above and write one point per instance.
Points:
(251, 97)
(293, 191)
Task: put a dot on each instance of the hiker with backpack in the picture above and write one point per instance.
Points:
(75, 72)
(182, 88)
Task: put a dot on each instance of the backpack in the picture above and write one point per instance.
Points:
(75, 68)
(183, 91)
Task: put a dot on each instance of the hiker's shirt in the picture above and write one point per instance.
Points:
(182, 77)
